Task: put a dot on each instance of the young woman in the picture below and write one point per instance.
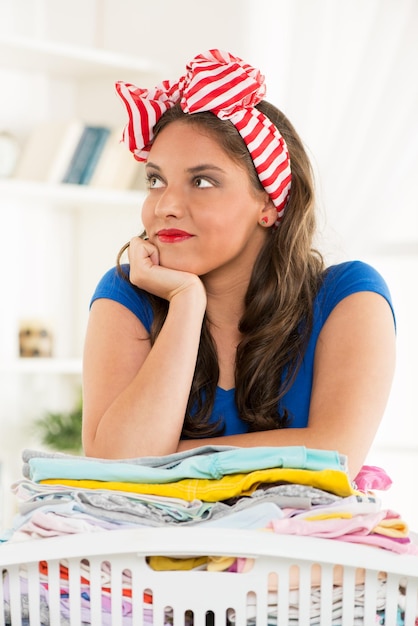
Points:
(225, 327)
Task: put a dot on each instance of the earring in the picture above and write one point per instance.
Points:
(264, 221)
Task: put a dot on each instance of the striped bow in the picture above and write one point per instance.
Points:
(223, 84)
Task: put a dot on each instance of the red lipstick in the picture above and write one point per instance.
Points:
(172, 235)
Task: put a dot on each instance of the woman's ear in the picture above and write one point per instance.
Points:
(268, 213)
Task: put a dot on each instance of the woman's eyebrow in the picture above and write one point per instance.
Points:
(204, 167)
(153, 165)
(196, 169)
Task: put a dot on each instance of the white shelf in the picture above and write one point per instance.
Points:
(75, 213)
(45, 365)
(69, 196)
(70, 61)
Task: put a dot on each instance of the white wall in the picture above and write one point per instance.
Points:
(344, 74)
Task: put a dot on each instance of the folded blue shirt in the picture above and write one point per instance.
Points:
(191, 464)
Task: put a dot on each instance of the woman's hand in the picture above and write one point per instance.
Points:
(146, 272)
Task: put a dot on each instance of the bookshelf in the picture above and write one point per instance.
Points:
(56, 239)
(63, 60)
(42, 366)
(78, 212)
(67, 196)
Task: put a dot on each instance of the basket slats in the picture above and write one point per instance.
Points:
(54, 595)
(95, 592)
(411, 601)
(281, 585)
(349, 583)
(33, 592)
(2, 616)
(327, 572)
(391, 600)
(74, 588)
(282, 594)
(15, 595)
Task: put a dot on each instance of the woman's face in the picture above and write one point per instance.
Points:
(201, 211)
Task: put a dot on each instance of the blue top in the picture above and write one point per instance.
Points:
(339, 282)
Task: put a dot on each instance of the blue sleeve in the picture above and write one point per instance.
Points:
(345, 279)
(114, 287)
(339, 282)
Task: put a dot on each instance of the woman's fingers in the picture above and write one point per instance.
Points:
(146, 273)
(142, 249)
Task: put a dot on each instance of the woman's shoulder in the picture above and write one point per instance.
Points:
(349, 277)
(114, 281)
(115, 285)
(353, 275)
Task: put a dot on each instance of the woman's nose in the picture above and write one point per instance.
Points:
(170, 203)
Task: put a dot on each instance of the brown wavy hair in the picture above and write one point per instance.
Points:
(278, 306)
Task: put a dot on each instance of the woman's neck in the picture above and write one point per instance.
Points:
(225, 303)
(227, 286)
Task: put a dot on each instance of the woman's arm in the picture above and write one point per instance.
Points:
(135, 395)
(353, 371)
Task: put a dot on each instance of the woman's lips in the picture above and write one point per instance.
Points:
(172, 235)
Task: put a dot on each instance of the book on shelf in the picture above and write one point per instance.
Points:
(86, 155)
(116, 168)
(49, 145)
(74, 152)
(68, 142)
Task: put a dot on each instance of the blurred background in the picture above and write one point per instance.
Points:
(344, 72)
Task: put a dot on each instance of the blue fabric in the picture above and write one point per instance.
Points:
(339, 282)
(213, 465)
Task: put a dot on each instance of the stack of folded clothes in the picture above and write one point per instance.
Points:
(287, 490)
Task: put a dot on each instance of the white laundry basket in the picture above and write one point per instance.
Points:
(265, 594)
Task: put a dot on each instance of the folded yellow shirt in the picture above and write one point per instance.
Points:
(334, 515)
(212, 563)
(223, 563)
(233, 485)
(393, 527)
(167, 564)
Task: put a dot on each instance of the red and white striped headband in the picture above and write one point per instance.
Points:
(225, 85)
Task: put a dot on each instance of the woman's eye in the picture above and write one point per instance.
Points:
(153, 182)
(202, 182)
